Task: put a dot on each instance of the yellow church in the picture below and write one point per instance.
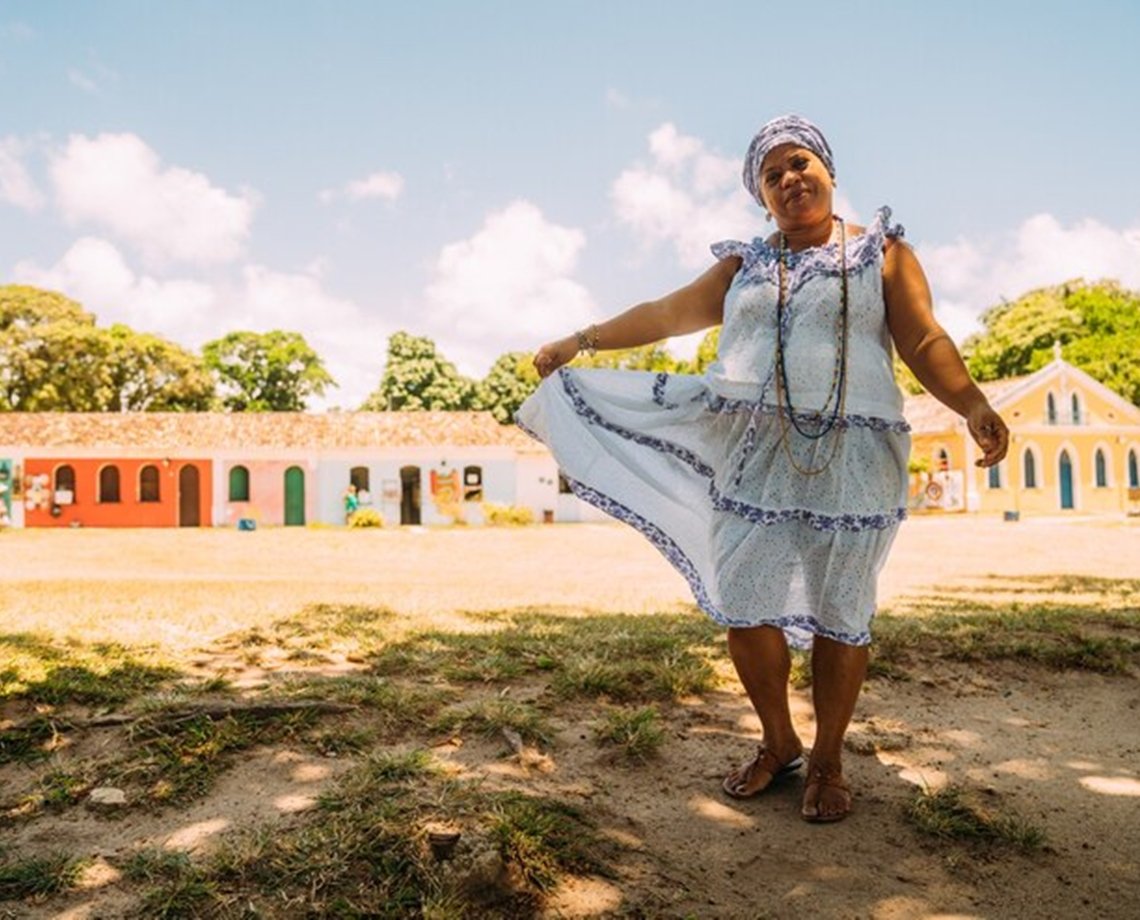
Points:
(1074, 449)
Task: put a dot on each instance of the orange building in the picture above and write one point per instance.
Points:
(117, 492)
(1074, 448)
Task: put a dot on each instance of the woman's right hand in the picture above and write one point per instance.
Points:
(553, 355)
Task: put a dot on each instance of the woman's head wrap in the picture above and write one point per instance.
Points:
(786, 129)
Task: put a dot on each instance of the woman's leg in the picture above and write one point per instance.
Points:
(838, 671)
(760, 654)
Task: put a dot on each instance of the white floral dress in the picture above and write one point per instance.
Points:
(697, 465)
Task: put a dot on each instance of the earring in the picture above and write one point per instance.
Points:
(768, 216)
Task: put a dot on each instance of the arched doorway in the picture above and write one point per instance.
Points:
(409, 495)
(188, 501)
(294, 497)
(1066, 477)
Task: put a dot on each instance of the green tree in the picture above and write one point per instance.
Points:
(53, 358)
(265, 371)
(1098, 324)
(417, 377)
(511, 379)
(655, 357)
(150, 374)
(706, 354)
(907, 382)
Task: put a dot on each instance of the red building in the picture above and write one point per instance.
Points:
(117, 492)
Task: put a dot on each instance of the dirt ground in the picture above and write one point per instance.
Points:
(1060, 748)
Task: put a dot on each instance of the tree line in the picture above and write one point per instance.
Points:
(53, 357)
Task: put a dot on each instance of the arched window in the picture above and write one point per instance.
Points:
(65, 483)
(109, 485)
(1075, 406)
(239, 484)
(1050, 410)
(995, 476)
(1133, 471)
(149, 484)
(358, 476)
(1030, 469)
(1101, 470)
(472, 483)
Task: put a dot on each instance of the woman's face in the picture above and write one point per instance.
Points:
(796, 186)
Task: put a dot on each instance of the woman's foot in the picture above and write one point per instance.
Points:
(827, 797)
(760, 772)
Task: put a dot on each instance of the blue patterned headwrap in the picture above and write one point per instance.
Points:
(786, 129)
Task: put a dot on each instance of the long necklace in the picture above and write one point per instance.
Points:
(838, 389)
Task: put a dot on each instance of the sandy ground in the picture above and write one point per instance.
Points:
(1058, 748)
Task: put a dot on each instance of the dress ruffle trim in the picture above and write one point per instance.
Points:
(760, 258)
(802, 625)
(829, 523)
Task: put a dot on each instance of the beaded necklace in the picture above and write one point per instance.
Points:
(784, 408)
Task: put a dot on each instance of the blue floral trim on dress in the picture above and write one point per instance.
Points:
(676, 557)
(761, 259)
(721, 404)
(592, 415)
(816, 519)
(827, 523)
(683, 564)
(659, 391)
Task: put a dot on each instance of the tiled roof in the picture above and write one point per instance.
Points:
(925, 413)
(204, 431)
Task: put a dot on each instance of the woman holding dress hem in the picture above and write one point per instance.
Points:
(776, 481)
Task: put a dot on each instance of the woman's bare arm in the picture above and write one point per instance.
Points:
(698, 305)
(928, 351)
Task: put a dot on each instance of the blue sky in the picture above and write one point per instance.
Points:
(495, 174)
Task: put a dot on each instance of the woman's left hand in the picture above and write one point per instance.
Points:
(990, 432)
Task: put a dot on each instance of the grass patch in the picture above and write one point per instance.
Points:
(181, 761)
(396, 707)
(544, 838)
(955, 813)
(624, 657)
(102, 674)
(359, 627)
(364, 852)
(1052, 636)
(637, 733)
(32, 741)
(38, 876)
(492, 716)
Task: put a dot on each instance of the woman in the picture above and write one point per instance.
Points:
(776, 481)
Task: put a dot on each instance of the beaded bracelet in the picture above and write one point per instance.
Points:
(588, 340)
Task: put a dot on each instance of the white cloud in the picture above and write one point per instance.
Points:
(689, 197)
(385, 185)
(16, 185)
(166, 213)
(96, 274)
(616, 99)
(968, 276)
(507, 287)
(19, 31)
(191, 312)
(80, 80)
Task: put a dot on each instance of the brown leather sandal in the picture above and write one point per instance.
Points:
(766, 762)
(818, 779)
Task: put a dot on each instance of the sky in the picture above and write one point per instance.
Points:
(496, 174)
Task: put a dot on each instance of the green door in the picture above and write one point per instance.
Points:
(1066, 480)
(294, 497)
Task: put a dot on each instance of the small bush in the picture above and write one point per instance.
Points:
(366, 517)
(507, 515)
